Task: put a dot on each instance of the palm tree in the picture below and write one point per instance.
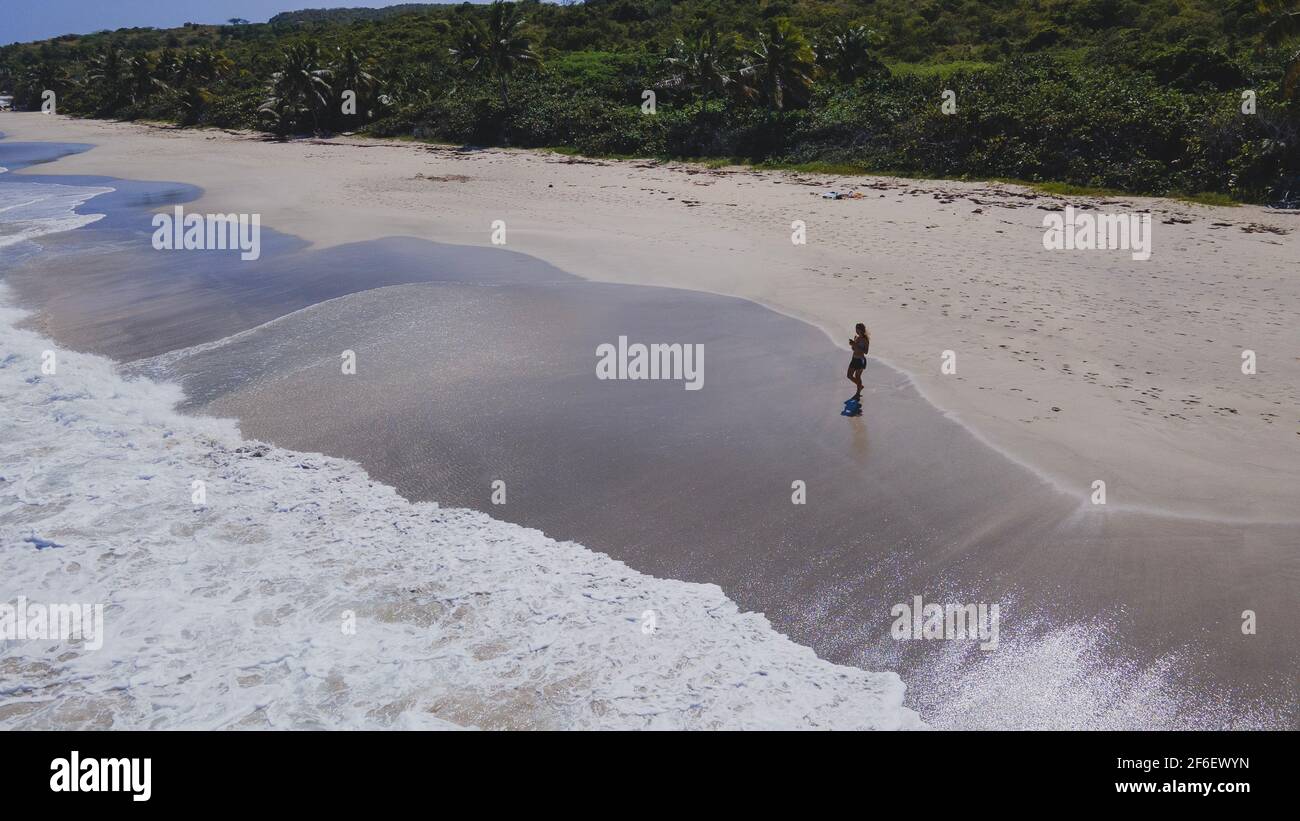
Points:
(192, 101)
(847, 52)
(499, 49)
(108, 72)
(36, 79)
(779, 67)
(702, 64)
(167, 66)
(1284, 26)
(407, 86)
(299, 87)
(195, 72)
(144, 78)
(351, 72)
(203, 67)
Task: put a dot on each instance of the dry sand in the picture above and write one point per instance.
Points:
(1082, 365)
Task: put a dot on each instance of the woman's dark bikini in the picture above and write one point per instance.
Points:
(860, 345)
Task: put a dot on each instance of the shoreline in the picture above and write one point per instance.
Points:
(1024, 541)
(307, 674)
(607, 221)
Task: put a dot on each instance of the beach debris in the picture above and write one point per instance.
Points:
(444, 177)
(997, 203)
(1260, 228)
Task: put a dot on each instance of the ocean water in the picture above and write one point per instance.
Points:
(29, 210)
(303, 594)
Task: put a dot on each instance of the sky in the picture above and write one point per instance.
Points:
(23, 20)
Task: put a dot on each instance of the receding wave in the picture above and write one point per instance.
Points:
(32, 209)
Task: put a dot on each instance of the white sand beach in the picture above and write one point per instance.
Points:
(1083, 365)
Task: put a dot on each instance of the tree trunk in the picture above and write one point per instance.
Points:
(505, 111)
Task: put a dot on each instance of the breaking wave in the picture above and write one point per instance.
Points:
(298, 593)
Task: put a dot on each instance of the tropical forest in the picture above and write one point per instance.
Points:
(1190, 98)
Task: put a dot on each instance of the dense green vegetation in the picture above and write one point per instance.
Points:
(1133, 95)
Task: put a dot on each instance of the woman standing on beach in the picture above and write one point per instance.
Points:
(860, 344)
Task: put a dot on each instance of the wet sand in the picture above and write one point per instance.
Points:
(479, 364)
(459, 386)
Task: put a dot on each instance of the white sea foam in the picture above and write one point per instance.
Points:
(231, 614)
(32, 209)
(1073, 677)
